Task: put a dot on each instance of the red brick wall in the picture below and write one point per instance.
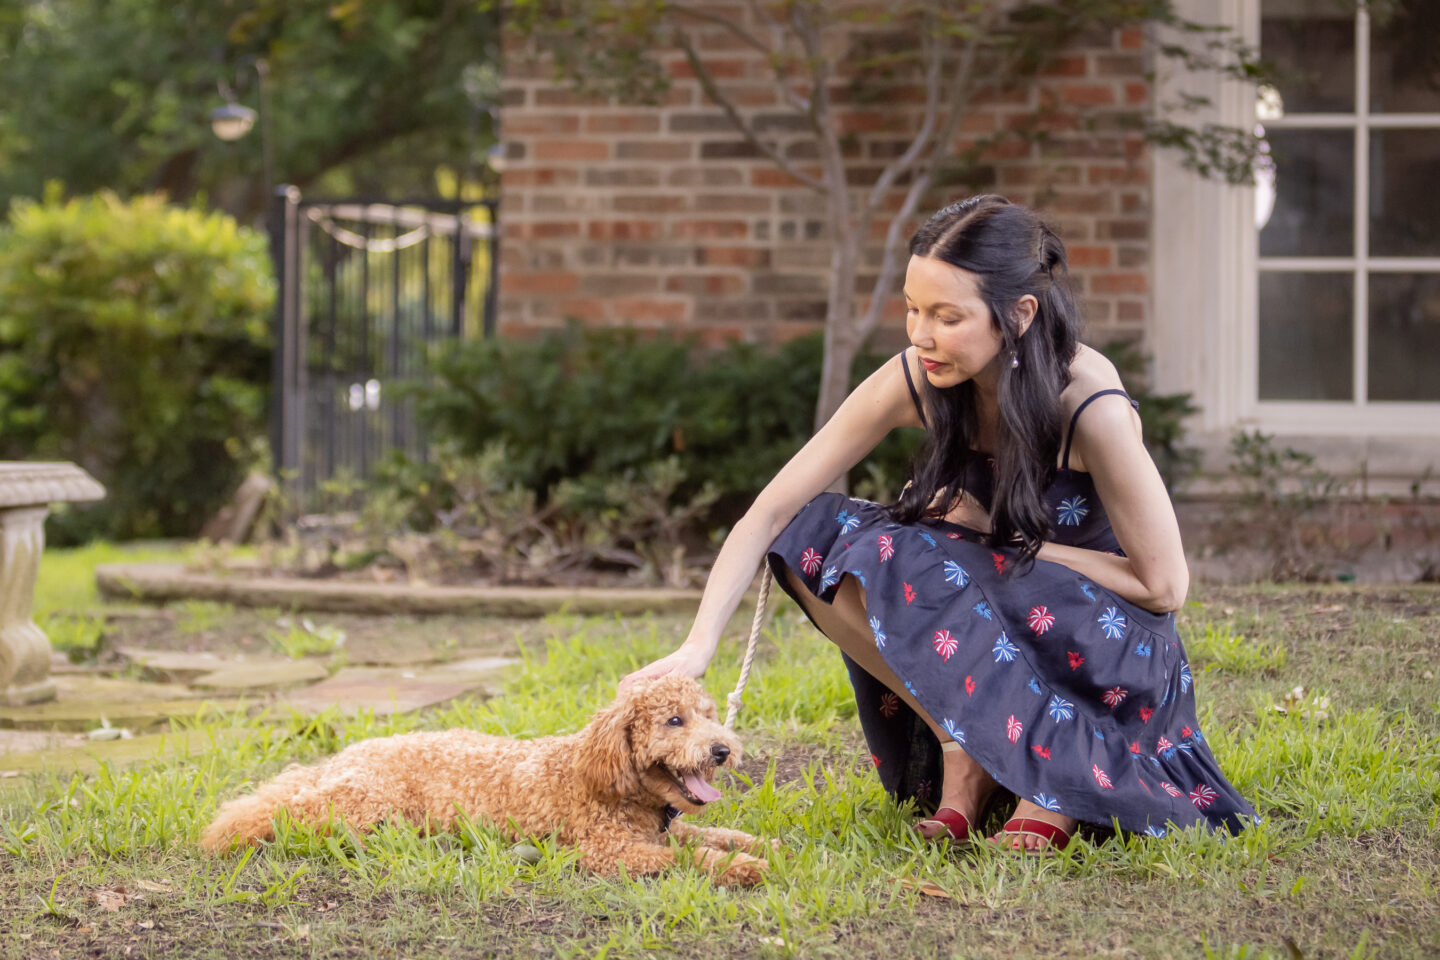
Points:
(664, 216)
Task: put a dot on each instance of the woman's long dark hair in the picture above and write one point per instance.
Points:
(1011, 253)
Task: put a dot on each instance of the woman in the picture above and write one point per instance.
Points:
(1009, 621)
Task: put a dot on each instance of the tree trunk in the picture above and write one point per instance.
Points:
(175, 177)
(842, 341)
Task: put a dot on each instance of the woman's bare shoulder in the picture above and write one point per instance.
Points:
(1090, 372)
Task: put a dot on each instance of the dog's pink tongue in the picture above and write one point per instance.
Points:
(700, 788)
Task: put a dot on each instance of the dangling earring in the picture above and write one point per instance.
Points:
(1014, 361)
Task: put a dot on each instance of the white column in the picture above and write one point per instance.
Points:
(26, 491)
(24, 649)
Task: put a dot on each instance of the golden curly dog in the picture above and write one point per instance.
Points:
(611, 790)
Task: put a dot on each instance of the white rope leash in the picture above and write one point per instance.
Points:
(736, 698)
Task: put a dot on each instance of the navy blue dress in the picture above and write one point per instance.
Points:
(1066, 694)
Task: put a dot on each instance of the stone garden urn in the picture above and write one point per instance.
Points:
(26, 492)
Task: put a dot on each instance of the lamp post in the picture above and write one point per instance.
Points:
(234, 120)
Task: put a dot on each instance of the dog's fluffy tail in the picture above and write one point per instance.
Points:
(247, 820)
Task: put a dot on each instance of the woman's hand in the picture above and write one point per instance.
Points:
(881, 403)
(967, 512)
(688, 661)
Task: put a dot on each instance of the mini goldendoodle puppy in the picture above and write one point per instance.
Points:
(612, 790)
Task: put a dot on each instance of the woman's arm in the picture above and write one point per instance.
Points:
(1153, 573)
(875, 407)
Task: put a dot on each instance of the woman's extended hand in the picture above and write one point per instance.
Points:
(687, 661)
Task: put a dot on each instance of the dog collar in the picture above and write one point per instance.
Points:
(669, 813)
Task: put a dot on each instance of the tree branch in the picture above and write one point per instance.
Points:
(921, 142)
(890, 263)
(777, 58)
(956, 95)
(774, 51)
(712, 90)
(832, 155)
(819, 76)
(758, 8)
(719, 21)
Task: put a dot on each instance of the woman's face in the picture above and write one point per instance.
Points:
(949, 324)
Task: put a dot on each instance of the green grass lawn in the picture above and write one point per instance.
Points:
(1346, 863)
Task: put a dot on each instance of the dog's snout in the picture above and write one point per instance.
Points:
(720, 752)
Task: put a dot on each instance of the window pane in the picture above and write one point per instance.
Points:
(1305, 337)
(1404, 336)
(1404, 204)
(1313, 54)
(1314, 212)
(1405, 59)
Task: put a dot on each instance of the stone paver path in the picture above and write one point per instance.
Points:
(61, 735)
(171, 665)
(387, 690)
(262, 675)
(87, 757)
(84, 702)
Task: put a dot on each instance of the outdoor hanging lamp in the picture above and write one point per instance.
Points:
(232, 121)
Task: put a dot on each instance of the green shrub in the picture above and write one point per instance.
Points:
(133, 341)
(593, 449)
(603, 403)
(604, 448)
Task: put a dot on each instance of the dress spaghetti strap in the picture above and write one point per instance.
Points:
(1070, 436)
(910, 382)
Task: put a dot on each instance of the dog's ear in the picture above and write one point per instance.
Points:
(605, 755)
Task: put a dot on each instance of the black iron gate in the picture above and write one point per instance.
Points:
(367, 291)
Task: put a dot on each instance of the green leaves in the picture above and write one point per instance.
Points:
(117, 93)
(134, 342)
(584, 402)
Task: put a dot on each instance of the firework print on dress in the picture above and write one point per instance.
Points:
(1065, 693)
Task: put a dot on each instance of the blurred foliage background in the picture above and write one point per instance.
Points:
(134, 341)
(365, 96)
(135, 281)
(136, 289)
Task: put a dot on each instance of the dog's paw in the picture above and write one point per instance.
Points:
(761, 847)
(742, 870)
(758, 846)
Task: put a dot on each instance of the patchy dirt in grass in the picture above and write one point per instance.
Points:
(1360, 646)
(791, 764)
(1372, 894)
(1325, 902)
(1328, 600)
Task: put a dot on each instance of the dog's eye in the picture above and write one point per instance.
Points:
(676, 722)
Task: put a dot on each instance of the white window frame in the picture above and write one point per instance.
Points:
(1205, 335)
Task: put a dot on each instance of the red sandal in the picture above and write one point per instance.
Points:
(1056, 837)
(947, 823)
